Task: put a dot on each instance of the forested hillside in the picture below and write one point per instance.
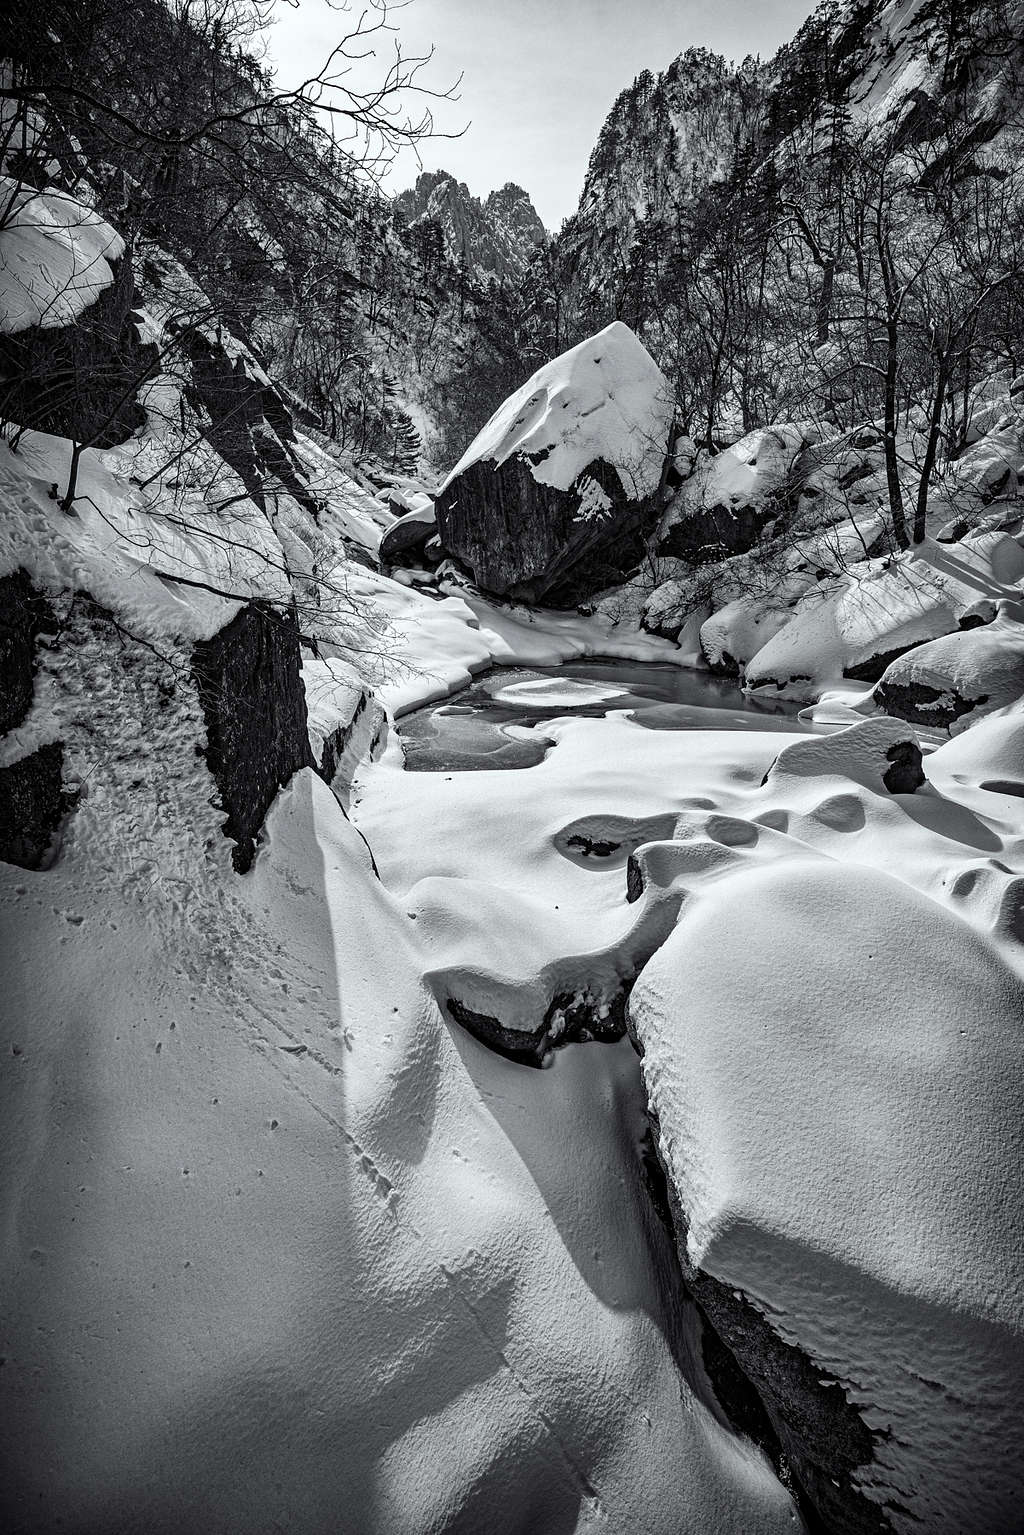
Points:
(835, 235)
(269, 200)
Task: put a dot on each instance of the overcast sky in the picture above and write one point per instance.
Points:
(539, 75)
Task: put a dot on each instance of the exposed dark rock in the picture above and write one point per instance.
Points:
(24, 615)
(707, 534)
(571, 1018)
(770, 1390)
(250, 686)
(924, 705)
(81, 381)
(528, 1048)
(591, 848)
(817, 1428)
(524, 540)
(723, 665)
(875, 666)
(32, 805)
(906, 773)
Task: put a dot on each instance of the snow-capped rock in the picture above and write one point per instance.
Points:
(733, 495)
(551, 500)
(56, 257)
(854, 624)
(848, 1178)
(953, 680)
(408, 534)
(346, 721)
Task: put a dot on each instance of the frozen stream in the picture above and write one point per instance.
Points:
(492, 724)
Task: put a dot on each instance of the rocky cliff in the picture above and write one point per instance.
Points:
(492, 238)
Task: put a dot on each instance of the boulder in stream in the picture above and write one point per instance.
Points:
(554, 498)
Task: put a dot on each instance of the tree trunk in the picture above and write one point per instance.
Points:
(932, 449)
(892, 468)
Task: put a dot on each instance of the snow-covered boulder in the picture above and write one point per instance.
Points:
(880, 754)
(409, 534)
(990, 754)
(56, 257)
(857, 623)
(552, 500)
(846, 1173)
(738, 630)
(731, 497)
(952, 680)
(71, 354)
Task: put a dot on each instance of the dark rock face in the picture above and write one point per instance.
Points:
(32, 798)
(923, 705)
(32, 805)
(81, 381)
(24, 615)
(713, 533)
(524, 540)
(770, 1390)
(906, 773)
(818, 1430)
(570, 1019)
(250, 686)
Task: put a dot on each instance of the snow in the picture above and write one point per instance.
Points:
(604, 399)
(123, 548)
(341, 710)
(880, 606)
(982, 667)
(543, 693)
(858, 1188)
(268, 1210)
(55, 257)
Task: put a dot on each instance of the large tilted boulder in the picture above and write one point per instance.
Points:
(554, 498)
(250, 686)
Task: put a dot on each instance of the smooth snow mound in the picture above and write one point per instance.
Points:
(837, 1064)
(604, 399)
(55, 257)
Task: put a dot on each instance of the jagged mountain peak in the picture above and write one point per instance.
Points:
(495, 237)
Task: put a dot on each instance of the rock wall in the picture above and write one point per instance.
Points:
(32, 798)
(250, 686)
(531, 542)
(81, 381)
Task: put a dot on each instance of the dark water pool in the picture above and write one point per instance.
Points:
(486, 725)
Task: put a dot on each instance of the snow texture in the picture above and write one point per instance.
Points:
(55, 257)
(821, 1043)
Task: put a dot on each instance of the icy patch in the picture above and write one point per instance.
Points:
(542, 693)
